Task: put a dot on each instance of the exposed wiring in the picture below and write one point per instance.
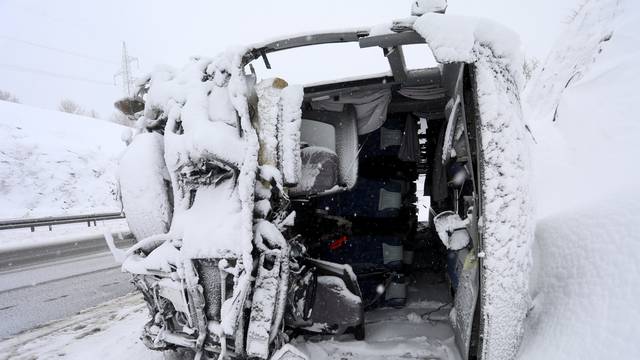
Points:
(427, 315)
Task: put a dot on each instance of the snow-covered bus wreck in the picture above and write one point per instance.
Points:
(269, 215)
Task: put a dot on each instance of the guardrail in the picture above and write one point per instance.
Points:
(59, 220)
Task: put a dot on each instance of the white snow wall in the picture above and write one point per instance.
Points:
(506, 222)
(582, 107)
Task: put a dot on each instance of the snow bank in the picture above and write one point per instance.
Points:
(505, 224)
(55, 163)
(585, 280)
(580, 107)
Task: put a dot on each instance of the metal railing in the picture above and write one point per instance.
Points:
(58, 220)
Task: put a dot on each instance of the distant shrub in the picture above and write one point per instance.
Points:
(71, 107)
(529, 67)
(7, 96)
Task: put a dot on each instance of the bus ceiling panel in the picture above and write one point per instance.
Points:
(434, 107)
(378, 83)
(430, 77)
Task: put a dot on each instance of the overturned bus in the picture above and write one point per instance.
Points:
(269, 214)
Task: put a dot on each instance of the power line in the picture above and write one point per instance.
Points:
(63, 51)
(48, 73)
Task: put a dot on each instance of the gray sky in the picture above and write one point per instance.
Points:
(51, 50)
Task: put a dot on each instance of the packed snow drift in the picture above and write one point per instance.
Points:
(582, 109)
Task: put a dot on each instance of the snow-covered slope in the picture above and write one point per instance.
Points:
(582, 108)
(53, 163)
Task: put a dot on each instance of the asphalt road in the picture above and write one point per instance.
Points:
(38, 289)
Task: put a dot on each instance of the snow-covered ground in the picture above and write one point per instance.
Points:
(421, 330)
(582, 108)
(54, 163)
(108, 331)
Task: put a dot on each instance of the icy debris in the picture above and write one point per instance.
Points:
(161, 259)
(266, 231)
(340, 288)
(291, 119)
(421, 7)
(507, 219)
(452, 230)
(271, 174)
(268, 92)
(262, 208)
(278, 126)
(289, 352)
(452, 121)
(263, 309)
(414, 318)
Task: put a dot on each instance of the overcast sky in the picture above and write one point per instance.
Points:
(51, 50)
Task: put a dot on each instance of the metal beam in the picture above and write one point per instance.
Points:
(395, 56)
(303, 40)
(51, 220)
(391, 40)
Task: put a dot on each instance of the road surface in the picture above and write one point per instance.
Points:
(41, 285)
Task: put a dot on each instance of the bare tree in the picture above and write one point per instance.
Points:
(529, 68)
(92, 113)
(7, 96)
(69, 106)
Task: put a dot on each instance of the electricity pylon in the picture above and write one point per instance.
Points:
(125, 71)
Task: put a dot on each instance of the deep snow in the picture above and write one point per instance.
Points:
(54, 163)
(585, 282)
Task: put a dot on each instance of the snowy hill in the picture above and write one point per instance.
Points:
(582, 108)
(53, 163)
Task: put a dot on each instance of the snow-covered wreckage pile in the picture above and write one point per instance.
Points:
(267, 212)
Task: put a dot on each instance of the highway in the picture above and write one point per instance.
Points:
(41, 284)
